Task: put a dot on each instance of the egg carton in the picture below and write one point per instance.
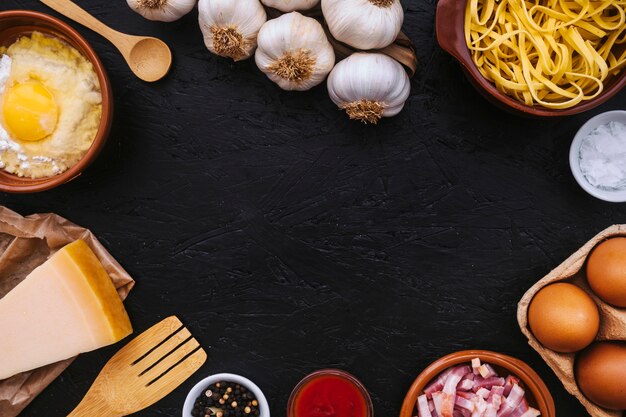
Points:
(612, 320)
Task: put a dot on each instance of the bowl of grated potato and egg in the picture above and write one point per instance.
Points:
(55, 102)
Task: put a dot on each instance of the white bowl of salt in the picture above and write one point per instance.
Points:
(598, 156)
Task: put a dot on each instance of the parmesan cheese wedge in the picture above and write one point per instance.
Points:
(64, 307)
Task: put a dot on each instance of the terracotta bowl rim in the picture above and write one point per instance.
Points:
(532, 381)
(27, 185)
(330, 371)
(487, 88)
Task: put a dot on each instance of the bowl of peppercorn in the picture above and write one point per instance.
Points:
(226, 395)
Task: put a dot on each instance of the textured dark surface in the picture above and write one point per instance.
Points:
(289, 238)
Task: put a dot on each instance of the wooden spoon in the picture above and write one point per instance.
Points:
(149, 58)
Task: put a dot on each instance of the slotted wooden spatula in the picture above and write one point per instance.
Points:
(144, 371)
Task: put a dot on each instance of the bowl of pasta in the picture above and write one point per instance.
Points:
(538, 57)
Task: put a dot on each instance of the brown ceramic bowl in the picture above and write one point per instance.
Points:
(451, 37)
(15, 23)
(537, 393)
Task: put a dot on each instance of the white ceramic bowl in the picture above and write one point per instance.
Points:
(201, 386)
(574, 156)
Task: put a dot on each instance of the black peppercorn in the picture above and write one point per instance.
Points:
(224, 399)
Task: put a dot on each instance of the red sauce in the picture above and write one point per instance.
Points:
(330, 396)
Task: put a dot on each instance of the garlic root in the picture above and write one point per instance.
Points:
(162, 10)
(296, 67)
(228, 42)
(367, 111)
(290, 5)
(382, 3)
(364, 24)
(152, 4)
(230, 28)
(369, 86)
(294, 52)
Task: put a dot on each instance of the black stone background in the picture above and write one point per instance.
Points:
(289, 238)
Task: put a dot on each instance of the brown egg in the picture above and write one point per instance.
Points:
(563, 318)
(601, 374)
(606, 271)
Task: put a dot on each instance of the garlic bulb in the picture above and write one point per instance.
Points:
(162, 10)
(294, 52)
(291, 5)
(364, 24)
(369, 86)
(230, 27)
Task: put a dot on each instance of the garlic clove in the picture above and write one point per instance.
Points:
(291, 5)
(294, 52)
(364, 24)
(369, 86)
(230, 28)
(162, 10)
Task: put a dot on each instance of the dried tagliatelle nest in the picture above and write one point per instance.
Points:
(547, 53)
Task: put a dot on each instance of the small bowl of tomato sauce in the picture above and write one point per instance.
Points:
(330, 392)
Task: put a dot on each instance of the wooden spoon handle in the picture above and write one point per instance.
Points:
(73, 11)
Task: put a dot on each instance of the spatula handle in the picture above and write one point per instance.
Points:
(91, 407)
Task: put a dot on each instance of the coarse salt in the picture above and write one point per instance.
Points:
(5, 71)
(602, 157)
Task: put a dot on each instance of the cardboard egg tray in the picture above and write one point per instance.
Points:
(612, 320)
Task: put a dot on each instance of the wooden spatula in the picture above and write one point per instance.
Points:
(143, 372)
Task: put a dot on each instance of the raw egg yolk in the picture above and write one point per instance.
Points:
(30, 111)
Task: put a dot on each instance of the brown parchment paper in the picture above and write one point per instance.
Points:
(25, 243)
(612, 320)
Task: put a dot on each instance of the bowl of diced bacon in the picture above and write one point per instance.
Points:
(478, 383)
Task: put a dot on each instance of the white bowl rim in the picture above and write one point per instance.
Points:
(238, 379)
(591, 124)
